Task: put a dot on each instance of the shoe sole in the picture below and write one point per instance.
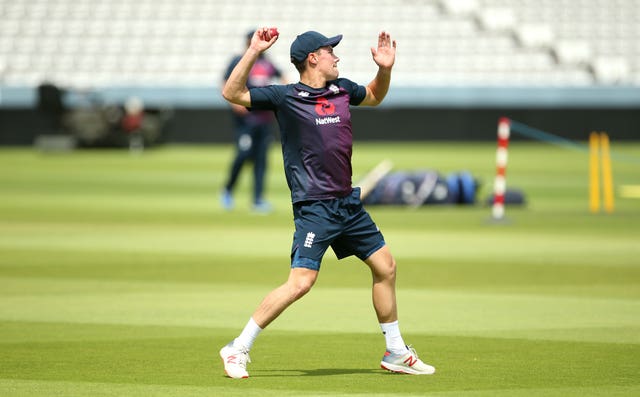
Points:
(403, 370)
(232, 377)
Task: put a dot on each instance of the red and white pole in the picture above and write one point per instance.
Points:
(500, 183)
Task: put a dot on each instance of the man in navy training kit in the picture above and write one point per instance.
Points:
(315, 127)
(253, 134)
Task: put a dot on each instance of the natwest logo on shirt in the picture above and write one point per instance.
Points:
(324, 107)
(328, 120)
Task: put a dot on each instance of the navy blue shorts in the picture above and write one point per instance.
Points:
(341, 223)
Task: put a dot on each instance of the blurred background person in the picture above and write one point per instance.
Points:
(253, 132)
(132, 123)
(51, 107)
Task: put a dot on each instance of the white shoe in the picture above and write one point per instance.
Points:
(407, 363)
(235, 361)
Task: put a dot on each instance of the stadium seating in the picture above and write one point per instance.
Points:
(94, 43)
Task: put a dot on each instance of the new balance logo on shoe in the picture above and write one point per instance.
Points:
(309, 240)
(411, 360)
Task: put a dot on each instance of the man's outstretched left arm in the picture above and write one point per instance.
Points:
(384, 56)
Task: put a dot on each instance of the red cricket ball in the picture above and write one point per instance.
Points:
(269, 34)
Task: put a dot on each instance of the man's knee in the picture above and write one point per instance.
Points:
(300, 282)
(389, 268)
(382, 264)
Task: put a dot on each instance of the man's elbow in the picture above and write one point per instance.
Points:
(226, 94)
(375, 101)
(370, 100)
(234, 96)
(374, 96)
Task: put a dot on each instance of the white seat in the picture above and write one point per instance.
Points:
(535, 35)
(573, 52)
(460, 7)
(611, 70)
(497, 18)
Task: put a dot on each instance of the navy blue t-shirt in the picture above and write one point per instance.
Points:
(315, 130)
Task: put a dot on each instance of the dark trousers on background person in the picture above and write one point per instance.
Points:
(252, 144)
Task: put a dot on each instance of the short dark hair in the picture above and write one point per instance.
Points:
(300, 65)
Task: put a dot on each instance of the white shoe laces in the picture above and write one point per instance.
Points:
(244, 357)
(412, 351)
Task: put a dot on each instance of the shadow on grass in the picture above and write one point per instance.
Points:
(316, 372)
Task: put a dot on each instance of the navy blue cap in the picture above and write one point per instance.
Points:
(310, 41)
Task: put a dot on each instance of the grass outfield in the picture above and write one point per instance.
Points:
(121, 276)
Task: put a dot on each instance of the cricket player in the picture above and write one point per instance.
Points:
(316, 135)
